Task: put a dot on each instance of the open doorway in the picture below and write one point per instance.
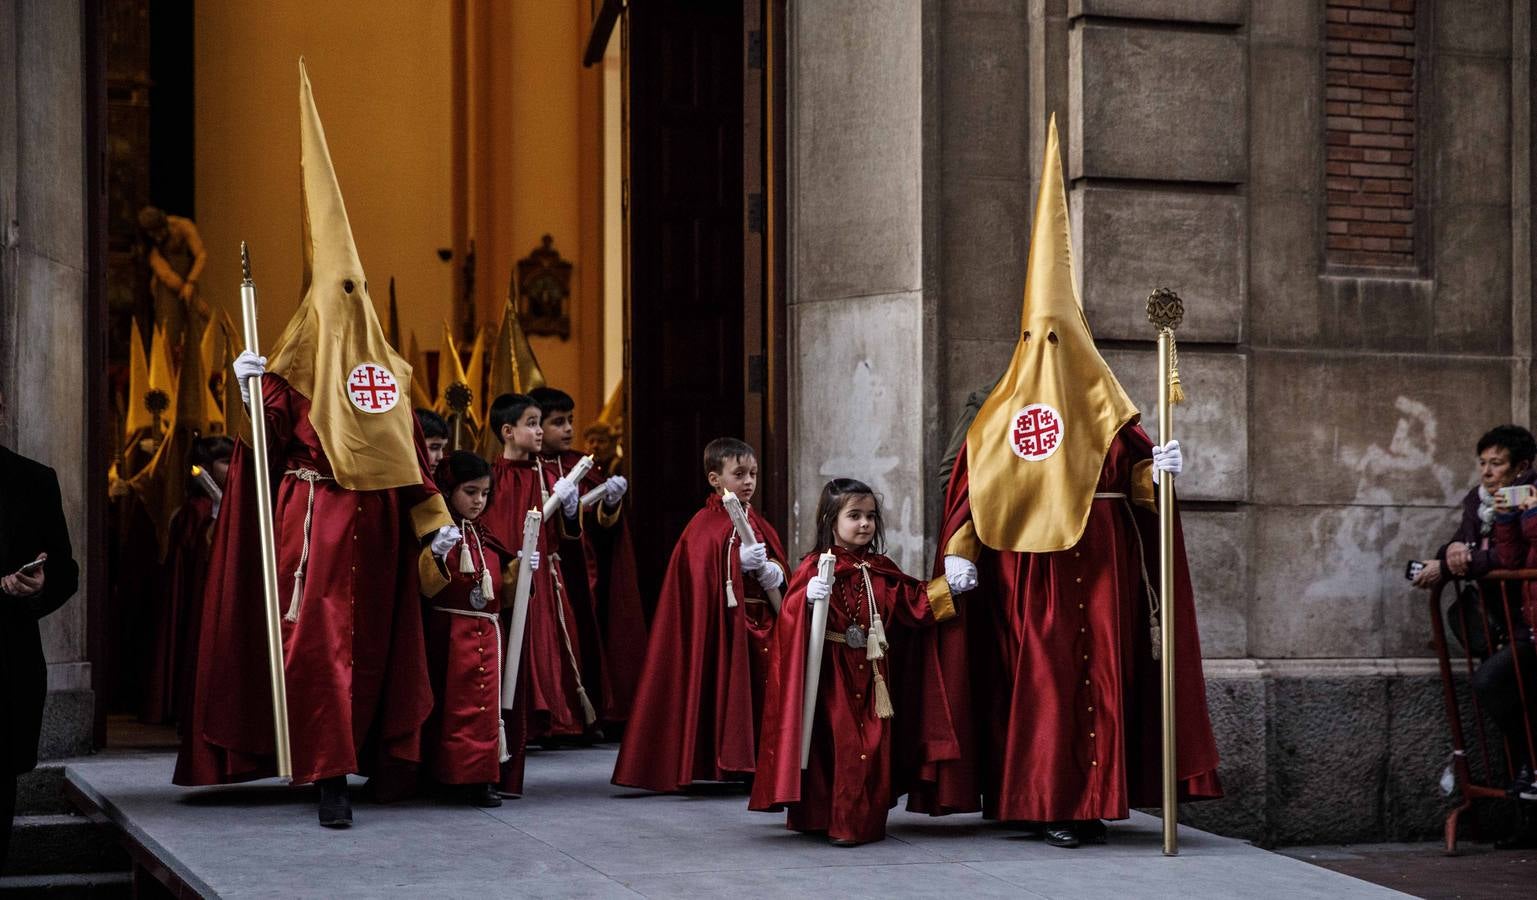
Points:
(704, 320)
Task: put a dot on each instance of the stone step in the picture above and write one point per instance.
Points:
(41, 792)
(94, 886)
(63, 844)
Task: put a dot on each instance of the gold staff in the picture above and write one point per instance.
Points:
(264, 518)
(1165, 310)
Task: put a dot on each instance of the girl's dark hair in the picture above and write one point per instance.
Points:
(835, 494)
(458, 467)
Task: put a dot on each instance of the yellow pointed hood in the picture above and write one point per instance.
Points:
(514, 370)
(421, 397)
(159, 400)
(137, 416)
(1036, 448)
(334, 351)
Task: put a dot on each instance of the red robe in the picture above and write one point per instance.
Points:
(461, 744)
(850, 782)
(700, 694)
(598, 565)
(554, 706)
(358, 690)
(1065, 691)
(176, 607)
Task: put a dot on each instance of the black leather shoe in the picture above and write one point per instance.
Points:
(335, 805)
(485, 796)
(1091, 831)
(1061, 834)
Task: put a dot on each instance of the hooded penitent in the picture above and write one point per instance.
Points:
(1036, 448)
(334, 350)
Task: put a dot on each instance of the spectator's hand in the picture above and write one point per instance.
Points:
(188, 290)
(960, 574)
(248, 365)
(19, 585)
(753, 556)
(1430, 575)
(1500, 504)
(1458, 555)
(1529, 503)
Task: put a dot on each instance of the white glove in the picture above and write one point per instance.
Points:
(1167, 458)
(445, 540)
(817, 589)
(247, 365)
(770, 577)
(567, 493)
(754, 556)
(533, 560)
(960, 574)
(614, 489)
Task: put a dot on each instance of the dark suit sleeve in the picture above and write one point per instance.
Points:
(62, 572)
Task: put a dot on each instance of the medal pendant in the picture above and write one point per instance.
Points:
(477, 599)
(855, 637)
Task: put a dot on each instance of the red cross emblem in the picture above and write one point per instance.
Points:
(1036, 432)
(373, 388)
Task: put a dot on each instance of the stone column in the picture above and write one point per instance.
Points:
(860, 281)
(42, 305)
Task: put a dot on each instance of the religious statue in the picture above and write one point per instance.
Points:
(544, 291)
(176, 260)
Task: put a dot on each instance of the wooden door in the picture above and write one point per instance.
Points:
(685, 258)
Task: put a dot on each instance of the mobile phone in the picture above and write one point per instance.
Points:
(1516, 494)
(31, 567)
(1413, 569)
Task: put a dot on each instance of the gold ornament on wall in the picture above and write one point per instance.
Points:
(544, 291)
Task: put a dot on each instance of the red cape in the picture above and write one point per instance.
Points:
(850, 781)
(1013, 723)
(697, 705)
(377, 730)
(599, 569)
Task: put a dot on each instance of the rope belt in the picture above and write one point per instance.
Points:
(309, 476)
(496, 628)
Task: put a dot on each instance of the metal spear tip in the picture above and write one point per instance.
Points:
(1165, 309)
(245, 263)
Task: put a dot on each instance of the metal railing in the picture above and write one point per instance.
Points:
(1502, 590)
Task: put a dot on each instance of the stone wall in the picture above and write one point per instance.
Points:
(1332, 410)
(43, 301)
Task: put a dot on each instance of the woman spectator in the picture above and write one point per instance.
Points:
(1505, 457)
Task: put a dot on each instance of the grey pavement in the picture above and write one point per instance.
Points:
(576, 835)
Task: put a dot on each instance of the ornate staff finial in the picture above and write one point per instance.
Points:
(1166, 311)
(245, 264)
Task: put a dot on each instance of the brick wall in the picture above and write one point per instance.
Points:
(1369, 109)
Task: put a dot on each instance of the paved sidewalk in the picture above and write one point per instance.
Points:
(576, 835)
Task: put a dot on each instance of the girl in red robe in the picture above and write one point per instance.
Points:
(464, 743)
(848, 784)
(697, 704)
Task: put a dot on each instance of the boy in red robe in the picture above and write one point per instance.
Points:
(873, 610)
(598, 565)
(465, 742)
(700, 695)
(551, 697)
(1049, 526)
(353, 505)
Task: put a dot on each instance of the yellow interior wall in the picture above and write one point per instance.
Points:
(543, 46)
(382, 84)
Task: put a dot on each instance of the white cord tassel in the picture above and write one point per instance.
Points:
(875, 645)
(730, 592)
(296, 598)
(466, 559)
